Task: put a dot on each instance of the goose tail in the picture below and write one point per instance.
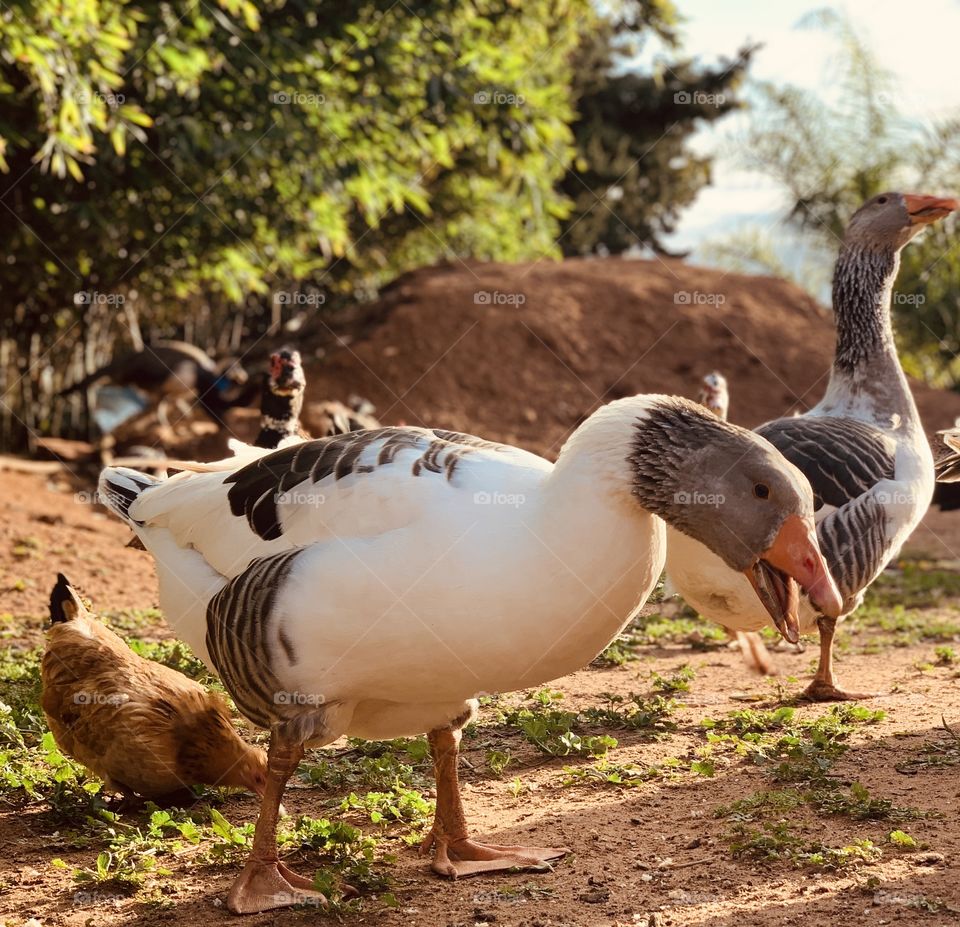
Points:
(120, 487)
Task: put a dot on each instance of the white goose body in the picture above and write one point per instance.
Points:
(511, 572)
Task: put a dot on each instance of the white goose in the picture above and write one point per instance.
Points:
(862, 447)
(403, 571)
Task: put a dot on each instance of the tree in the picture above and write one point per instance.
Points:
(194, 156)
(635, 172)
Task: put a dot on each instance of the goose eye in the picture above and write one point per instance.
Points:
(761, 491)
(882, 200)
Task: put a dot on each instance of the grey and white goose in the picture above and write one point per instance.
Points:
(375, 583)
(862, 447)
(281, 401)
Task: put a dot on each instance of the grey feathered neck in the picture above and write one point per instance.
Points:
(862, 286)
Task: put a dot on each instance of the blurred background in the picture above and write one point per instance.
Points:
(488, 215)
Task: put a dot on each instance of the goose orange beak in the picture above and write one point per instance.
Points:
(793, 562)
(926, 209)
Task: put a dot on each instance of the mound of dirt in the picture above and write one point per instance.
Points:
(522, 353)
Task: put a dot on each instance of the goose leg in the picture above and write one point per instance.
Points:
(455, 853)
(754, 652)
(266, 883)
(823, 687)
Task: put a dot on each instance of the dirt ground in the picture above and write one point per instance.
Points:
(653, 854)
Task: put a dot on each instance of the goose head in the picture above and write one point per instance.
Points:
(735, 493)
(285, 372)
(889, 220)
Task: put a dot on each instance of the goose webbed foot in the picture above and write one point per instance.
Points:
(461, 856)
(455, 854)
(265, 885)
(822, 690)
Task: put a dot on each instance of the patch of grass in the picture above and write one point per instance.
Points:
(658, 629)
(396, 805)
(795, 750)
(554, 732)
(780, 841)
(605, 773)
(177, 656)
(855, 803)
(635, 713)
(386, 771)
(914, 585)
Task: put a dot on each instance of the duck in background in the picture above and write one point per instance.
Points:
(862, 446)
(715, 395)
(337, 528)
(143, 728)
(281, 401)
(281, 406)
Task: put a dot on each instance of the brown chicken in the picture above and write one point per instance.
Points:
(140, 726)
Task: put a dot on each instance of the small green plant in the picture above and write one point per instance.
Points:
(384, 808)
(498, 761)
(779, 841)
(552, 731)
(944, 656)
(678, 681)
(902, 840)
(620, 775)
(937, 753)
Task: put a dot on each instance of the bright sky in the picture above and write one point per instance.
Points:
(916, 40)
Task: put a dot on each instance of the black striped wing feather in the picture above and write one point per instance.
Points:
(841, 457)
(844, 459)
(854, 543)
(255, 488)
